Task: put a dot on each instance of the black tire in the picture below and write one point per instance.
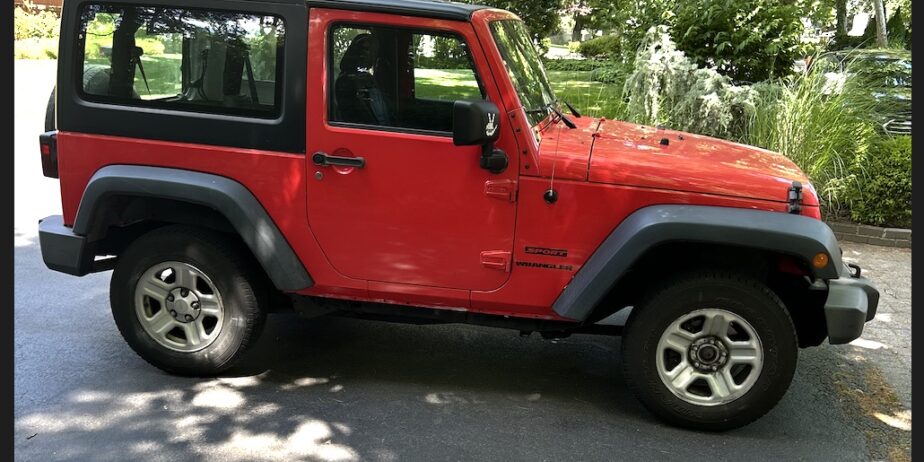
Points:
(50, 112)
(745, 297)
(224, 262)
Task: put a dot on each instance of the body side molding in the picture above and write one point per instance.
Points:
(796, 235)
(226, 196)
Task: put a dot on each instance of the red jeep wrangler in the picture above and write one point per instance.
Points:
(407, 160)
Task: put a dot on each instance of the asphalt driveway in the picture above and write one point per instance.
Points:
(340, 389)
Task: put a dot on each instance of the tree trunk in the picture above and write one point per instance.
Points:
(882, 36)
(578, 28)
(840, 34)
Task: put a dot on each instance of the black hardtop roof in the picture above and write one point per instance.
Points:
(427, 8)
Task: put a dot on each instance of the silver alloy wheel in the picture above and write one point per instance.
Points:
(179, 306)
(709, 357)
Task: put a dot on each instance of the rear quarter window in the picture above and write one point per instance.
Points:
(181, 58)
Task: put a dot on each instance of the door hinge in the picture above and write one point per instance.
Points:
(496, 259)
(501, 189)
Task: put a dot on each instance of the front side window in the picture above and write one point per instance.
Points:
(185, 59)
(398, 78)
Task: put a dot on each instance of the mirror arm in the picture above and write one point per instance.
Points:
(493, 160)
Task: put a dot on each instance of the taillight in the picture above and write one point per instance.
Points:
(48, 145)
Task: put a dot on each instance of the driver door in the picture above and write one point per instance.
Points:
(417, 212)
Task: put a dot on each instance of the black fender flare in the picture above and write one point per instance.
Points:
(226, 196)
(796, 235)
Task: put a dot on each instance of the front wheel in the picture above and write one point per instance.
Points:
(710, 351)
(186, 300)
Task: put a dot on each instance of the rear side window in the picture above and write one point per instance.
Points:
(183, 59)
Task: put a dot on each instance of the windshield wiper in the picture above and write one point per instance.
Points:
(571, 108)
(564, 118)
(551, 107)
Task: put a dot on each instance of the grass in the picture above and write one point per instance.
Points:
(591, 98)
(446, 84)
(576, 87)
(163, 74)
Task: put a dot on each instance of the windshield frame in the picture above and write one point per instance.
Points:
(524, 68)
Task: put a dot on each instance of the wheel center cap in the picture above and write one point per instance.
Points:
(708, 354)
(183, 305)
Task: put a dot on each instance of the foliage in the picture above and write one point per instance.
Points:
(885, 196)
(898, 34)
(666, 87)
(637, 17)
(612, 72)
(447, 53)
(29, 22)
(540, 16)
(36, 48)
(747, 40)
(570, 64)
(826, 134)
(592, 14)
(605, 47)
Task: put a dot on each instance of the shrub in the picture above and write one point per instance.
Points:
(570, 65)
(884, 199)
(898, 35)
(666, 87)
(605, 47)
(611, 72)
(826, 135)
(29, 22)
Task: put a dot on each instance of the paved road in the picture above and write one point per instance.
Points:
(339, 389)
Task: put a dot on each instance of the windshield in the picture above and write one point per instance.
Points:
(523, 66)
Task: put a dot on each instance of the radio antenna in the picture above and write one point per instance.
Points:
(551, 196)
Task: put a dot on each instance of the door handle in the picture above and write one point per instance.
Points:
(323, 160)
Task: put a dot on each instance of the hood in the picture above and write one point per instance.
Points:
(613, 152)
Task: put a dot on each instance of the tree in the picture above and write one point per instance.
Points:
(882, 38)
(747, 40)
(541, 16)
(591, 14)
(840, 33)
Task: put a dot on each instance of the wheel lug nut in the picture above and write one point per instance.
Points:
(188, 317)
(170, 298)
(184, 292)
(173, 313)
(195, 305)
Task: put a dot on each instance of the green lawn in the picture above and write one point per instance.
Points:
(576, 87)
(589, 97)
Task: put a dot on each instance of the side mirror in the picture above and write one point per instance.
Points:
(477, 123)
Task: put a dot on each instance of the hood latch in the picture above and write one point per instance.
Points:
(795, 197)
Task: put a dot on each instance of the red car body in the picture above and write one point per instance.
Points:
(411, 228)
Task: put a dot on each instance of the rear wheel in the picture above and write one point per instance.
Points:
(185, 300)
(710, 351)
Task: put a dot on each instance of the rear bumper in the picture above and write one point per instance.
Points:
(852, 302)
(62, 250)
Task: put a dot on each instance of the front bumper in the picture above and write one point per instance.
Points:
(852, 302)
(62, 250)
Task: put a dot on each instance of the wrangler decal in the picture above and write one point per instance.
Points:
(553, 266)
